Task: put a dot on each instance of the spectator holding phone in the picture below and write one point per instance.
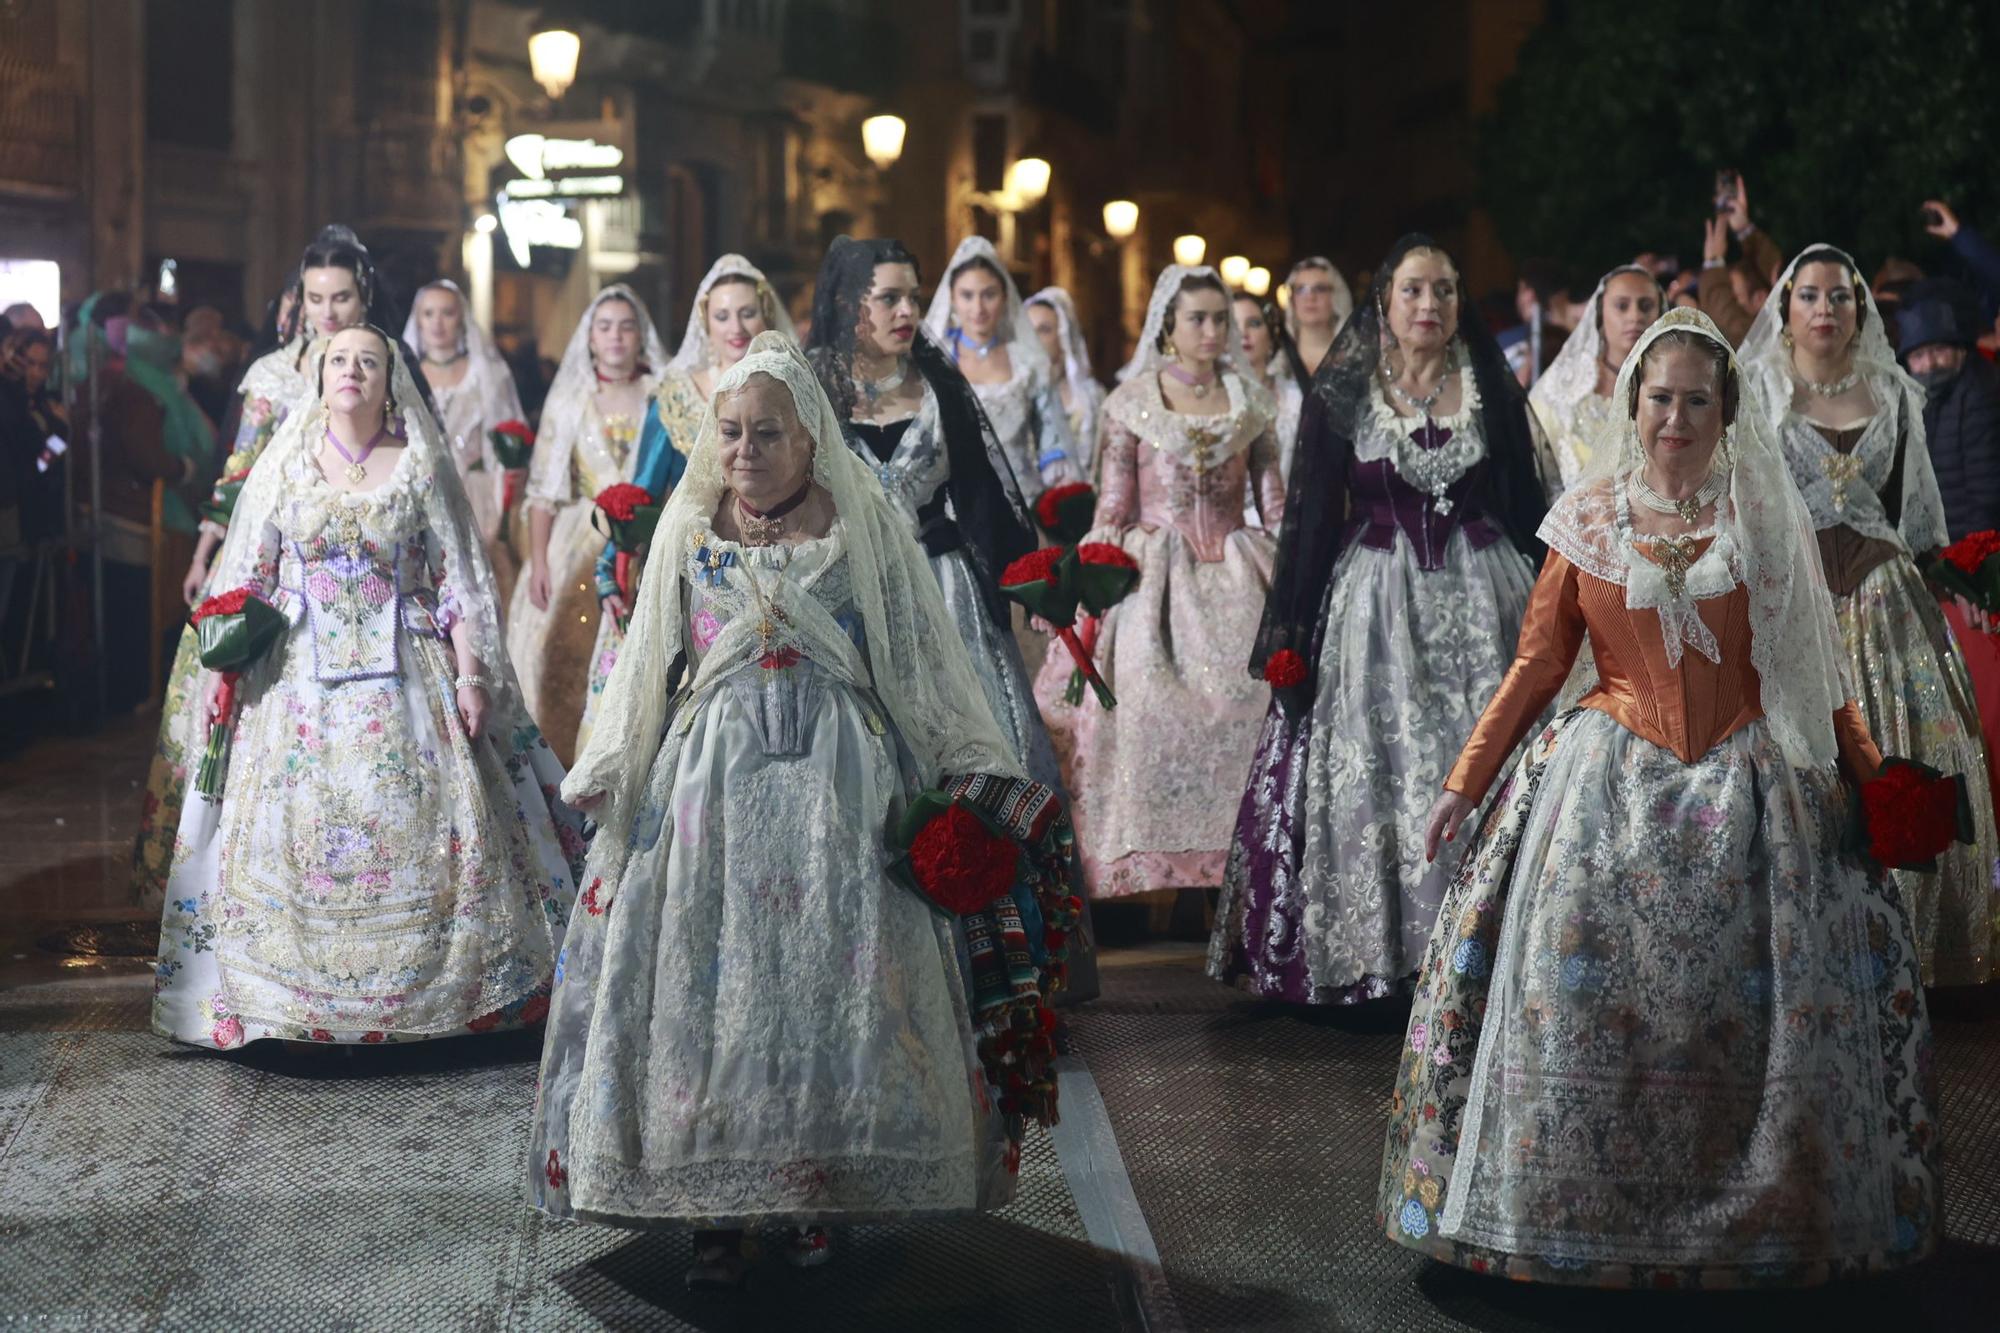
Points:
(1731, 295)
(1979, 255)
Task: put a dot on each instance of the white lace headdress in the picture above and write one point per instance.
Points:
(1014, 328)
(1763, 540)
(1343, 298)
(575, 382)
(1147, 356)
(432, 478)
(915, 660)
(1069, 332)
(1767, 363)
(1572, 377)
(694, 351)
(483, 360)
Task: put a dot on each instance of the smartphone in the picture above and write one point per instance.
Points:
(1727, 183)
(1933, 218)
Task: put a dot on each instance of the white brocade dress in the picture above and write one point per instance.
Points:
(468, 411)
(763, 1026)
(1415, 642)
(1152, 779)
(1033, 429)
(369, 874)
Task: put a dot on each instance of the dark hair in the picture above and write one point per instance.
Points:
(109, 307)
(977, 261)
(337, 246)
(1826, 254)
(389, 349)
(1193, 282)
(1604, 290)
(1274, 320)
(1544, 279)
(1718, 355)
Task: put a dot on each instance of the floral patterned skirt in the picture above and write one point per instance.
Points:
(368, 874)
(1328, 898)
(1667, 1033)
(1912, 684)
(183, 733)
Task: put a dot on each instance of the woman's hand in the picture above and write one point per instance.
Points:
(194, 580)
(1714, 241)
(1947, 224)
(1447, 813)
(538, 585)
(615, 608)
(587, 803)
(1974, 617)
(472, 706)
(211, 690)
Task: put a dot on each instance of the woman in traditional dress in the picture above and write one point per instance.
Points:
(386, 860)
(336, 281)
(1265, 350)
(474, 392)
(600, 417)
(1318, 306)
(1397, 622)
(977, 317)
(732, 305)
(1850, 422)
(1572, 399)
(1669, 1032)
(1053, 314)
(753, 1023)
(1184, 433)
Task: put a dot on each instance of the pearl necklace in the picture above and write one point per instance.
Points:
(1833, 389)
(874, 391)
(1689, 509)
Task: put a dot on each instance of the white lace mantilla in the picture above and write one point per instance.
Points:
(1845, 489)
(1203, 443)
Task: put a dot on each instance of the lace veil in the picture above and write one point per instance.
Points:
(1572, 377)
(1763, 540)
(1014, 330)
(1083, 386)
(1147, 356)
(575, 384)
(694, 351)
(433, 478)
(915, 660)
(1767, 364)
(497, 396)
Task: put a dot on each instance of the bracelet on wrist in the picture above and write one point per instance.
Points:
(479, 683)
(1713, 262)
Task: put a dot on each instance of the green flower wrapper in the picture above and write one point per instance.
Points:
(230, 642)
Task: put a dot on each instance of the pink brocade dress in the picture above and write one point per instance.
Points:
(1151, 782)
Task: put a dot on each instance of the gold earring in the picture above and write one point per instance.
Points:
(1785, 337)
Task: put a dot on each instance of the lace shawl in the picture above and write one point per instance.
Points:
(1198, 442)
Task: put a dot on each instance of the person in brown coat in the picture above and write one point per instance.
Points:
(1732, 294)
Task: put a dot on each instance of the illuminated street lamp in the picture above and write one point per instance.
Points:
(1028, 182)
(1234, 268)
(552, 54)
(1257, 281)
(1121, 219)
(882, 140)
(485, 223)
(1189, 249)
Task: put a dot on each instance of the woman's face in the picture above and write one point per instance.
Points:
(332, 299)
(440, 322)
(977, 300)
(1423, 301)
(1201, 326)
(766, 452)
(614, 337)
(735, 316)
(355, 379)
(889, 314)
(1631, 304)
(35, 366)
(1312, 297)
(1822, 316)
(1255, 334)
(1049, 329)
(1680, 409)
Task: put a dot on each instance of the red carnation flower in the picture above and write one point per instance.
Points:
(1284, 670)
(223, 604)
(622, 501)
(960, 863)
(1973, 550)
(1035, 567)
(518, 429)
(1104, 553)
(1912, 816)
(1048, 509)
(556, 1175)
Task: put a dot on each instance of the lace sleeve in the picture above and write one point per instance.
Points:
(1267, 479)
(550, 483)
(1118, 476)
(263, 579)
(439, 576)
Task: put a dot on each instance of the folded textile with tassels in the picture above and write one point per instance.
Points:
(1011, 977)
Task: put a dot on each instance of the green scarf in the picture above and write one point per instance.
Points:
(150, 359)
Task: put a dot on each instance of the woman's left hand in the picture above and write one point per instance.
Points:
(472, 706)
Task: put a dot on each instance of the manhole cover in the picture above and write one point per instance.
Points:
(106, 939)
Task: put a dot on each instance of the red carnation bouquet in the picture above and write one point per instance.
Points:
(1969, 568)
(1056, 581)
(630, 515)
(952, 855)
(1911, 813)
(512, 442)
(1065, 512)
(233, 630)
